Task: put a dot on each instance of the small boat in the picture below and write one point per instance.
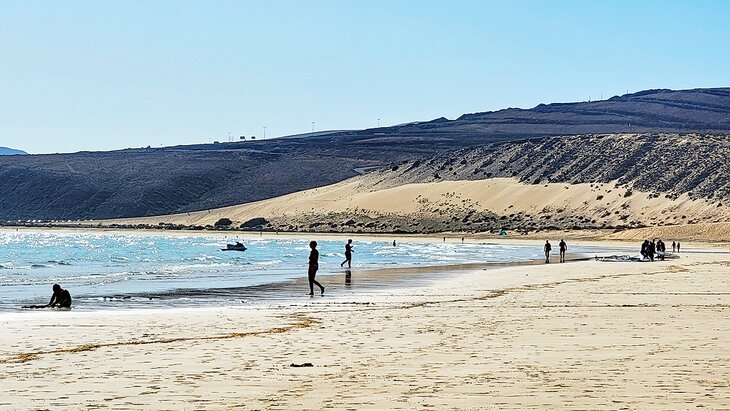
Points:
(234, 247)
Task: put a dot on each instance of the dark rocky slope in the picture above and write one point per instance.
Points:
(697, 110)
(665, 164)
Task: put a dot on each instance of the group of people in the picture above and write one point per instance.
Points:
(563, 246)
(657, 248)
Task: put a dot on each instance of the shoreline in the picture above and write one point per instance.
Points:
(564, 336)
(587, 237)
(287, 291)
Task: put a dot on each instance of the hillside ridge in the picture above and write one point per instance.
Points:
(156, 181)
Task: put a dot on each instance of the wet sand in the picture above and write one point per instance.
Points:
(339, 283)
(585, 335)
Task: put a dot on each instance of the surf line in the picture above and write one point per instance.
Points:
(302, 321)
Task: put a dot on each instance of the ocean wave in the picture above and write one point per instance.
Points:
(268, 263)
(204, 258)
(58, 262)
(86, 279)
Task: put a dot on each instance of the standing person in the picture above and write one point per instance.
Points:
(677, 247)
(348, 254)
(674, 246)
(394, 245)
(652, 250)
(661, 249)
(645, 250)
(313, 267)
(563, 248)
(547, 249)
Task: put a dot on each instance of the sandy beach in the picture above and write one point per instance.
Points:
(582, 335)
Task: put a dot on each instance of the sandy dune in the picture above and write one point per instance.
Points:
(513, 205)
(585, 335)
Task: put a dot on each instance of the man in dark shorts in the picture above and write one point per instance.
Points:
(547, 249)
(348, 254)
(563, 247)
(313, 267)
(61, 298)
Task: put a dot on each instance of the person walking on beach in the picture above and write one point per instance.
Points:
(313, 267)
(348, 254)
(674, 246)
(547, 249)
(678, 247)
(563, 248)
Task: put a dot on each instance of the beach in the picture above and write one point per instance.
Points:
(580, 335)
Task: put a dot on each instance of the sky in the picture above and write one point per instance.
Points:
(101, 75)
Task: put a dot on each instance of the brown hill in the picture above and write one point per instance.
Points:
(586, 182)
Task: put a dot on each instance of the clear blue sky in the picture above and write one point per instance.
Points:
(97, 75)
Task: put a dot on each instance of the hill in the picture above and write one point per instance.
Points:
(144, 182)
(696, 110)
(667, 165)
(585, 182)
(5, 151)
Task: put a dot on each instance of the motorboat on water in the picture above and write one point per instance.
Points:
(234, 247)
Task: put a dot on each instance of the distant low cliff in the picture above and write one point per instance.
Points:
(5, 151)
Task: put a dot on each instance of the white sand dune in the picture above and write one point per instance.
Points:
(561, 205)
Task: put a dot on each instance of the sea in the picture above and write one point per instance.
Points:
(123, 270)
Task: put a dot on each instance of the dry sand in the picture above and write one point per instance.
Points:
(585, 335)
(546, 205)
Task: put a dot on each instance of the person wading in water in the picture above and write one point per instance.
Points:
(348, 254)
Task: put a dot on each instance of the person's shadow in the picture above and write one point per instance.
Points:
(348, 278)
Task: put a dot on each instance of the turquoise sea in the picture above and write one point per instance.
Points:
(150, 270)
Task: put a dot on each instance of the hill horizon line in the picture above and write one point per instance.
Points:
(541, 107)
